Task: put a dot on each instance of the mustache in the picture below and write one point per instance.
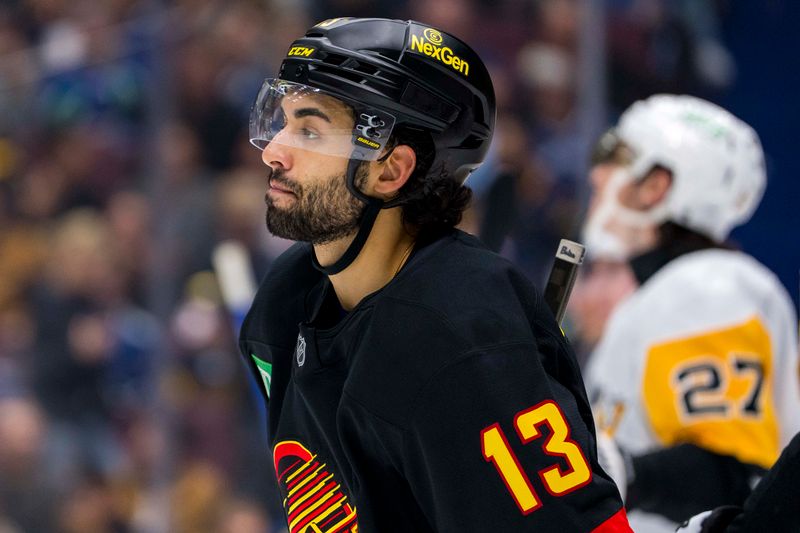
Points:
(279, 177)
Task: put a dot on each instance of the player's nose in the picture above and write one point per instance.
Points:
(276, 155)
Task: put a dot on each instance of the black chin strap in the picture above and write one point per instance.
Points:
(365, 227)
(374, 206)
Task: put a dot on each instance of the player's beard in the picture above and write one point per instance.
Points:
(321, 212)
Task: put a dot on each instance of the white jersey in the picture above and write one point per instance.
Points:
(705, 352)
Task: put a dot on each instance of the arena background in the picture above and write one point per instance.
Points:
(124, 161)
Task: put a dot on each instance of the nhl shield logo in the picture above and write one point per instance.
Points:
(300, 350)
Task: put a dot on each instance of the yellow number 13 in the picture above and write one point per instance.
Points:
(558, 482)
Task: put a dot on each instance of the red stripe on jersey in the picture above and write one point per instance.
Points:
(349, 525)
(320, 493)
(618, 523)
(294, 464)
(332, 520)
(334, 501)
(309, 469)
(296, 495)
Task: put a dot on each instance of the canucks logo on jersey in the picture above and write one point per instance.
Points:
(313, 498)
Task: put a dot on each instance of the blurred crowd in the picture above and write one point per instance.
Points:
(124, 160)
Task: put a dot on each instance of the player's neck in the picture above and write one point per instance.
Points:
(384, 253)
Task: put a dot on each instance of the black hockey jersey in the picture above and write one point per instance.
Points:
(446, 401)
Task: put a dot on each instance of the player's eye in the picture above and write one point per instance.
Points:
(309, 134)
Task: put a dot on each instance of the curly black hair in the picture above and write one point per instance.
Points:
(432, 201)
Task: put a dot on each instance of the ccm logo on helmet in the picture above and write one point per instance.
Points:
(429, 44)
(301, 51)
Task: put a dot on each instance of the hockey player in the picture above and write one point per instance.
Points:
(415, 381)
(695, 377)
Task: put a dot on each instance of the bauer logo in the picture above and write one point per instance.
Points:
(367, 143)
(301, 51)
(430, 43)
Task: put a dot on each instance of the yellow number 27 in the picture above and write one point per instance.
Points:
(556, 480)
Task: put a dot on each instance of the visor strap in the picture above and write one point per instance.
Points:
(374, 206)
(352, 168)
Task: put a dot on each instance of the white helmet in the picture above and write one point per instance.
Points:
(716, 160)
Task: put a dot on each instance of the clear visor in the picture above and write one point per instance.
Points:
(296, 115)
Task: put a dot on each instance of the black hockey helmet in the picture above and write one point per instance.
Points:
(390, 74)
(393, 73)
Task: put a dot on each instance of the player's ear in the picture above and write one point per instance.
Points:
(654, 188)
(396, 170)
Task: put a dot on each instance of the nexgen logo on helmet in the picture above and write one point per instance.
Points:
(434, 36)
(429, 42)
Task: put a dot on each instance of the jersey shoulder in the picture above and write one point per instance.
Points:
(482, 297)
(279, 304)
(702, 291)
(716, 272)
(458, 306)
